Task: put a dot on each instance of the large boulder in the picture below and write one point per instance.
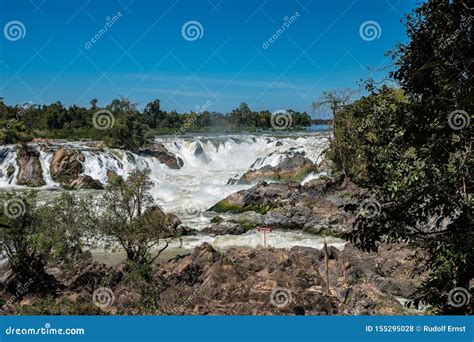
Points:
(84, 182)
(292, 168)
(160, 152)
(243, 282)
(260, 198)
(316, 208)
(66, 165)
(30, 172)
(225, 228)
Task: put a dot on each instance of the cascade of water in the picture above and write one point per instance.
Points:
(209, 162)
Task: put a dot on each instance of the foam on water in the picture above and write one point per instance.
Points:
(209, 163)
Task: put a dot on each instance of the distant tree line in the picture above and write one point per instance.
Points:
(127, 126)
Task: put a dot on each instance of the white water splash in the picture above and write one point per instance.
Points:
(209, 162)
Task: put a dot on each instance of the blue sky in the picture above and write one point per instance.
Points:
(143, 54)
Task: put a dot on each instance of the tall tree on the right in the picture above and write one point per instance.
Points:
(423, 169)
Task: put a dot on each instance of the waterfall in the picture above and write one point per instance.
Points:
(209, 163)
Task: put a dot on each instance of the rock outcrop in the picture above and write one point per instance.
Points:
(226, 228)
(30, 172)
(84, 182)
(160, 152)
(291, 169)
(264, 281)
(317, 207)
(66, 165)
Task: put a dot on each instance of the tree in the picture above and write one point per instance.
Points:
(334, 100)
(152, 114)
(131, 220)
(418, 153)
(32, 236)
(94, 104)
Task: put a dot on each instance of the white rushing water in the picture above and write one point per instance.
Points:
(209, 163)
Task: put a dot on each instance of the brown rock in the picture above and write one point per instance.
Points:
(30, 172)
(66, 165)
(160, 152)
(85, 182)
(292, 169)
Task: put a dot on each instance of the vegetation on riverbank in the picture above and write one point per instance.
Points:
(121, 124)
(33, 235)
(413, 147)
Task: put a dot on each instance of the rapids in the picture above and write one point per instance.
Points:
(209, 163)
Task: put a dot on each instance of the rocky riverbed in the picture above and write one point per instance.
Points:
(247, 281)
(219, 266)
(262, 281)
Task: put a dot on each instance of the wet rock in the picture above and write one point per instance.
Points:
(260, 198)
(85, 182)
(160, 152)
(199, 150)
(291, 169)
(30, 172)
(10, 170)
(66, 165)
(111, 175)
(224, 228)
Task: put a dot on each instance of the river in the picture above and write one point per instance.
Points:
(210, 161)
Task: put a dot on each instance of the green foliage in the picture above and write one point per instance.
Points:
(32, 235)
(405, 149)
(243, 116)
(131, 128)
(131, 220)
